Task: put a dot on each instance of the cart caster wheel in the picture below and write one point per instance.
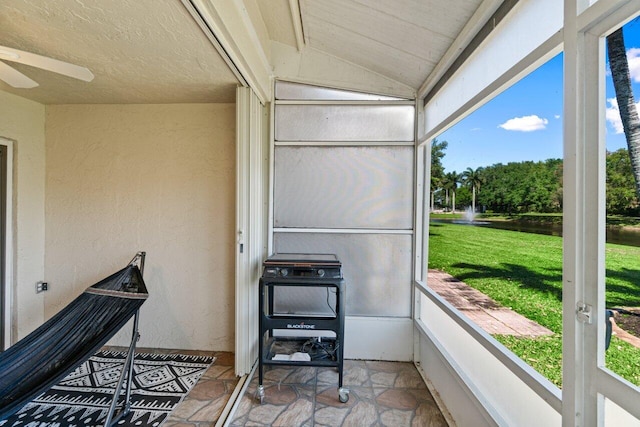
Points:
(261, 394)
(343, 395)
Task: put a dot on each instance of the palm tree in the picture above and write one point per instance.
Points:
(473, 179)
(435, 186)
(445, 186)
(450, 183)
(437, 170)
(624, 95)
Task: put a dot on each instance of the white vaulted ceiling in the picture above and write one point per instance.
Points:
(400, 39)
(153, 51)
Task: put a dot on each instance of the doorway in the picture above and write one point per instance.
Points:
(6, 152)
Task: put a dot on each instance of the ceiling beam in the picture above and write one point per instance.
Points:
(530, 35)
(479, 19)
(296, 19)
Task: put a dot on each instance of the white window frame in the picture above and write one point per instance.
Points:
(591, 395)
(586, 382)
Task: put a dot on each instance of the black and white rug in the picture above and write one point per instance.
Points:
(83, 398)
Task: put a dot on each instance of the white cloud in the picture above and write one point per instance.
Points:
(612, 115)
(612, 112)
(557, 116)
(525, 124)
(633, 57)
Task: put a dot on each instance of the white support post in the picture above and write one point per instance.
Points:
(573, 360)
(595, 217)
(584, 220)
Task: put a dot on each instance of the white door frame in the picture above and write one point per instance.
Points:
(7, 321)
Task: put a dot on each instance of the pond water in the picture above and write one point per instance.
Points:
(614, 235)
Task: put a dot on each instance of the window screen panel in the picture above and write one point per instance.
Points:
(376, 267)
(344, 187)
(344, 123)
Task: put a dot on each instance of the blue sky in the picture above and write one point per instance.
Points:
(525, 121)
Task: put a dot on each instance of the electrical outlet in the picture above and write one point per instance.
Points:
(41, 287)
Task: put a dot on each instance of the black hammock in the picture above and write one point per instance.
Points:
(48, 354)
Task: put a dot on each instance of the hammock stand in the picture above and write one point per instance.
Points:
(72, 336)
(127, 368)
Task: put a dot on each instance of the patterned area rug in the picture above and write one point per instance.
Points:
(83, 398)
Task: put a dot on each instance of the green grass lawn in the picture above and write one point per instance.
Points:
(523, 271)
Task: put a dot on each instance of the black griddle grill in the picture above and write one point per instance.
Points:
(283, 274)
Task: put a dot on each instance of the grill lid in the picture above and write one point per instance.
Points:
(302, 260)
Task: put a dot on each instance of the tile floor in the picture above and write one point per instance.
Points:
(381, 394)
(206, 401)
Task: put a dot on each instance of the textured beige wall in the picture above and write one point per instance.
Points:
(22, 121)
(159, 178)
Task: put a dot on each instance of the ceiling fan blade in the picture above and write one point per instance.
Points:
(46, 63)
(15, 78)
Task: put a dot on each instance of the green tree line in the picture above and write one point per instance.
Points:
(522, 187)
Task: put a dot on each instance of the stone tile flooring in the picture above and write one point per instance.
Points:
(381, 394)
(206, 401)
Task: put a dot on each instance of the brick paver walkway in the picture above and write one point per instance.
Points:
(484, 311)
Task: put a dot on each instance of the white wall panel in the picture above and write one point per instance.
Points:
(378, 338)
(615, 416)
(497, 393)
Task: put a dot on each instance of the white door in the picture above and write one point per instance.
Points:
(251, 221)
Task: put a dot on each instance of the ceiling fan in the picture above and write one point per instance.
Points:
(15, 78)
